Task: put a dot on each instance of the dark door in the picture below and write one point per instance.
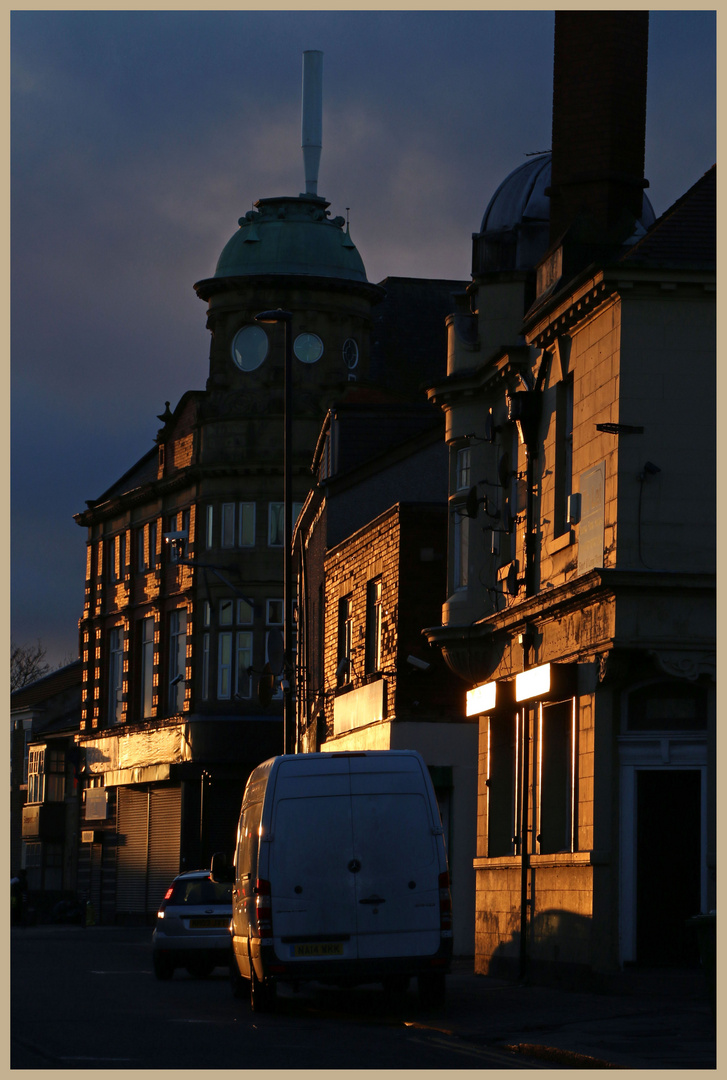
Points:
(668, 852)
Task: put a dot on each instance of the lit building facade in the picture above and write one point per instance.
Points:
(581, 596)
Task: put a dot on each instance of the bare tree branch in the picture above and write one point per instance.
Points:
(26, 664)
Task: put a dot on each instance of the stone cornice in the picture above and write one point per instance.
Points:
(595, 585)
(473, 650)
(191, 476)
(500, 366)
(209, 287)
(582, 295)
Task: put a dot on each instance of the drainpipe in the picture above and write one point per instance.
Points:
(524, 856)
(527, 642)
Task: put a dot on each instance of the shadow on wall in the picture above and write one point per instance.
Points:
(558, 951)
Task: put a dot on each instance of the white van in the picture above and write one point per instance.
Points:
(341, 875)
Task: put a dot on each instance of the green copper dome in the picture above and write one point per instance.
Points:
(289, 235)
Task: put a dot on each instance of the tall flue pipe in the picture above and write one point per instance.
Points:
(312, 117)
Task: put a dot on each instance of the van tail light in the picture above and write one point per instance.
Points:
(263, 908)
(445, 905)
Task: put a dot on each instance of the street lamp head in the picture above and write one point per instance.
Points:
(277, 315)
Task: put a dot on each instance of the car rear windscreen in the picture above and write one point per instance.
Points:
(201, 891)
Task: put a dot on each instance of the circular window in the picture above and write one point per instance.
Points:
(350, 353)
(249, 347)
(308, 348)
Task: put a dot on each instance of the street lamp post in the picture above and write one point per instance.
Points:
(276, 316)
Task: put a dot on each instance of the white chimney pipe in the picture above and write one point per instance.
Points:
(312, 117)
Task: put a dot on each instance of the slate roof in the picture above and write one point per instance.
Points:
(56, 682)
(368, 432)
(685, 236)
(409, 336)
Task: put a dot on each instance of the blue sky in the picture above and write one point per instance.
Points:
(139, 139)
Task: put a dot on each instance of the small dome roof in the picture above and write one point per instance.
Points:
(521, 196)
(288, 235)
(514, 234)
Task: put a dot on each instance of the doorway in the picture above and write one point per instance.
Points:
(668, 865)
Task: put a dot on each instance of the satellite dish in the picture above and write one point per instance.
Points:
(512, 582)
(276, 651)
(470, 505)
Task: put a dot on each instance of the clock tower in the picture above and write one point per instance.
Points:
(289, 253)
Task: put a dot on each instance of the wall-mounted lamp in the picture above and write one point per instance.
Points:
(649, 469)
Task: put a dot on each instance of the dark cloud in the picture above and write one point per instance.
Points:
(138, 140)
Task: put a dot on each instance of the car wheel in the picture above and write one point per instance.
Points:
(163, 966)
(431, 988)
(262, 997)
(200, 969)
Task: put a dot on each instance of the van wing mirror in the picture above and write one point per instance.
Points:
(220, 870)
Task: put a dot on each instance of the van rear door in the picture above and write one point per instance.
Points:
(314, 889)
(397, 845)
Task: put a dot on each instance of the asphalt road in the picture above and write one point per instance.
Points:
(88, 999)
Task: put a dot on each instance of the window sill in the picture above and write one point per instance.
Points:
(558, 543)
(561, 858)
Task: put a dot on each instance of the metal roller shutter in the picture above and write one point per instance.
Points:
(164, 832)
(149, 823)
(131, 852)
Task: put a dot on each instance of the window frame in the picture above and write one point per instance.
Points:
(269, 620)
(224, 664)
(243, 649)
(246, 524)
(463, 469)
(374, 624)
(115, 659)
(461, 546)
(228, 520)
(345, 639)
(36, 775)
(177, 624)
(563, 484)
(146, 666)
(556, 763)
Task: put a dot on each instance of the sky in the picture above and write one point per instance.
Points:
(138, 138)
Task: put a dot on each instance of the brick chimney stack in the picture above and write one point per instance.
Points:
(599, 124)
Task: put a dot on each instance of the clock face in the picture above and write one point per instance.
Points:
(350, 353)
(308, 348)
(249, 347)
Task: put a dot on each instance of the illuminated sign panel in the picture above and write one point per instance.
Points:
(534, 683)
(481, 699)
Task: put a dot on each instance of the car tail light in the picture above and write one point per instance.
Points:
(263, 908)
(445, 905)
(167, 897)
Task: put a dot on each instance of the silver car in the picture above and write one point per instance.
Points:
(193, 926)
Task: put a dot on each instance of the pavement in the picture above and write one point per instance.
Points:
(647, 1019)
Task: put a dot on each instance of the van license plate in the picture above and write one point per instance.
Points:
(197, 924)
(319, 948)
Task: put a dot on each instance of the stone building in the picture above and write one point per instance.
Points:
(184, 583)
(370, 547)
(184, 605)
(581, 597)
(44, 789)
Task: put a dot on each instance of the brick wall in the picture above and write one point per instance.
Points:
(405, 546)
